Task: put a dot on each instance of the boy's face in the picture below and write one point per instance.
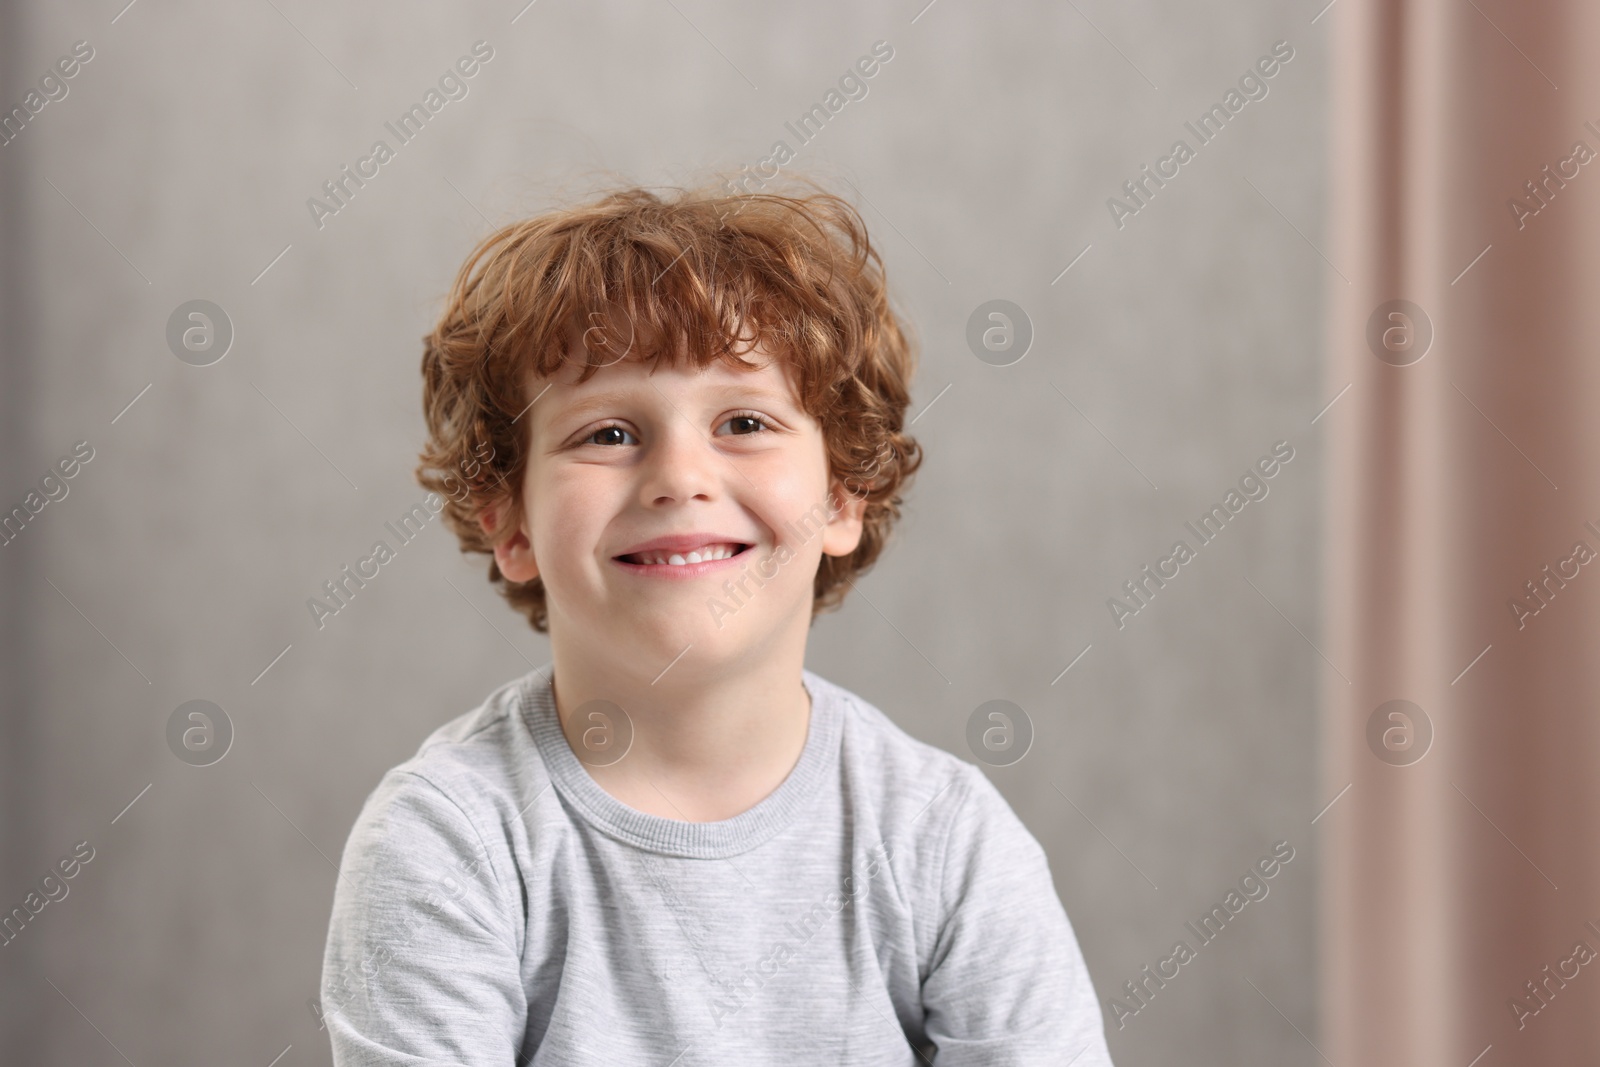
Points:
(631, 456)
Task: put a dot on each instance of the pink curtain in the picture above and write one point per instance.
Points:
(1460, 875)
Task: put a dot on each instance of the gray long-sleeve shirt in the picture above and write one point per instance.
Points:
(495, 906)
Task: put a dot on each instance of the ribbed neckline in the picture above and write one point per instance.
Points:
(676, 837)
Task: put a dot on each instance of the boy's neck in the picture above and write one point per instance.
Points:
(707, 745)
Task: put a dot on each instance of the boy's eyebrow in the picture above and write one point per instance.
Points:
(602, 400)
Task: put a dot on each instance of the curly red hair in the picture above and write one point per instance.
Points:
(691, 277)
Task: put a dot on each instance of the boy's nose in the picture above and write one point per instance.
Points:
(682, 464)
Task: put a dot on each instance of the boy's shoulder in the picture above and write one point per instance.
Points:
(883, 743)
(910, 780)
(480, 760)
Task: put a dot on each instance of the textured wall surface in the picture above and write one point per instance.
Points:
(1182, 344)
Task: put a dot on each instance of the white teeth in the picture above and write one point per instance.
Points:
(710, 552)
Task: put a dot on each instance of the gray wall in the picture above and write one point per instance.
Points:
(1165, 362)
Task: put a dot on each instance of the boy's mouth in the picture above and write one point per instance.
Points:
(710, 553)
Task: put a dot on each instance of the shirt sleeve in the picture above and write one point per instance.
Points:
(421, 965)
(1006, 985)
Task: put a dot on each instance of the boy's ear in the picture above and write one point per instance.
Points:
(843, 532)
(512, 554)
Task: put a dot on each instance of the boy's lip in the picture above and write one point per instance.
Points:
(684, 570)
(685, 543)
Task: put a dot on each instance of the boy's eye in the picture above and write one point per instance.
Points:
(745, 419)
(612, 429)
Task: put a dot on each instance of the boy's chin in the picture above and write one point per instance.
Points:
(692, 645)
(661, 629)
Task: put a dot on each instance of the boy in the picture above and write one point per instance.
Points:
(677, 427)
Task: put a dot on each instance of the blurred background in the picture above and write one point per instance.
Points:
(1371, 270)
